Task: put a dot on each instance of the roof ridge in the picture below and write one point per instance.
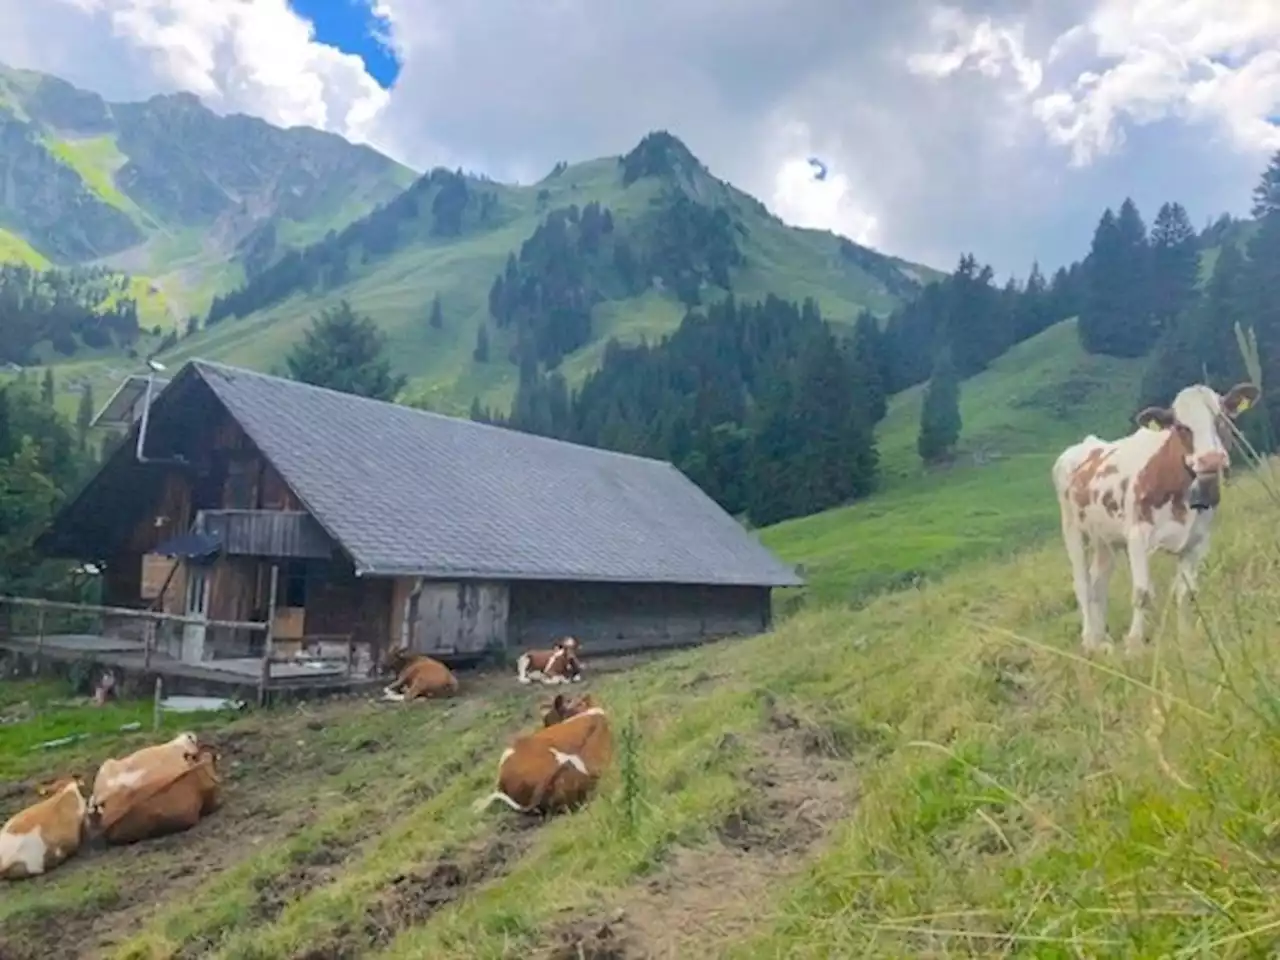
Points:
(199, 363)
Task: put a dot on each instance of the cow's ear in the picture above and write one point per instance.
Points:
(1239, 399)
(1155, 418)
(558, 703)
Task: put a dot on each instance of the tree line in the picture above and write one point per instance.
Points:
(64, 308)
(442, 203)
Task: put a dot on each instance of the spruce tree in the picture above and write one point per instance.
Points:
(481, 352)
(1266, 195)
(345, 351)
(940, 414)
(46, 386)
(437, 313)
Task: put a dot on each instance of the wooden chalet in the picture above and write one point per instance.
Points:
(381, 523)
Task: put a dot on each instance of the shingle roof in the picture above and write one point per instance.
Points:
(406, 492)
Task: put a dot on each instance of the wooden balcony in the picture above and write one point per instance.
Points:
(266, 533)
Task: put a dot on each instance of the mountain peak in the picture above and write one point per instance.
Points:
(661, 154)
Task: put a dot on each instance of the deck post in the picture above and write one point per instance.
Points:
(155, 710)
(148, 641)
(40, 635)
(268, 640)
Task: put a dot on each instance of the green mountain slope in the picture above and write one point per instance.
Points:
(167, 188)
(1018, 415)
(450, 236)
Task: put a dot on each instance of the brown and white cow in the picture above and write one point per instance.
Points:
(555, 768)
(35, 840)
(122, 774)
(1156, 489)
(168, 800)
(560, 664)
(417, 675)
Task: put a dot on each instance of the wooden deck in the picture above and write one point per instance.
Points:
(237, 676)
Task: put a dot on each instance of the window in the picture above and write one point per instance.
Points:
(240, 485)
(293, 584)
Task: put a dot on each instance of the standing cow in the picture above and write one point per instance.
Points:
(1156, 489)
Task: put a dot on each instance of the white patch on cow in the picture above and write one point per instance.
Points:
(578, 678)
(27, 849)
(392, 695)
(552, 679)
(506, 755)
(570, 760)
(497, 796)
(522, 668)
(556, 656)
(589, 712)
(125, 779)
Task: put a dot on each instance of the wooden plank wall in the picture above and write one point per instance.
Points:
(619, 617)
(460, 617)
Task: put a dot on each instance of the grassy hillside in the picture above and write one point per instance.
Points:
(1017, 416)
(937, 774)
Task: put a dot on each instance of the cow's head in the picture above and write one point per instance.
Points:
(54, 787)
(563, 708)
(1200, 419)
(569, 645)
(190, 745)
(396, 658)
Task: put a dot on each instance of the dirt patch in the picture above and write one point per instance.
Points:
(411, 899)
(593, 940)
(706, 896)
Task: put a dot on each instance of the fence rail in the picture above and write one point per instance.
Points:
(84, 615)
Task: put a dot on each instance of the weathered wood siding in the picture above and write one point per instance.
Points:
(341, 603)
(610, 617)
(267, 533)
(465, 617)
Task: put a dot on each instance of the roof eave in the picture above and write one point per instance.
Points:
(567, 576)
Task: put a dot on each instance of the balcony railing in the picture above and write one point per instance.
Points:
(266, 533)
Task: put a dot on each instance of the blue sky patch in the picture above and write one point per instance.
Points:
(351, 26)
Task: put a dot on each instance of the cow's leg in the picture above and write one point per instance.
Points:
(1073, 537)
(1100, 567)
(1187, 578)
(1143, 595)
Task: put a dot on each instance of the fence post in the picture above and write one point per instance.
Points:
(155, 713)
(40, 635)
(148, 641)
(268, 640)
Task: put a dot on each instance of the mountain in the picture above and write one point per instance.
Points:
(617, 247)
(167, 188)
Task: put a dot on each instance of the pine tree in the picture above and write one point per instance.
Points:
(1175, 265)
(481, 352)
(437, 313)
(345, 351)
(1116, 316)
(46, 386)
(940, 415)
(1266, 195)
(84, 416)
(870, 366)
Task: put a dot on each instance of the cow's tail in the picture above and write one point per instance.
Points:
(483, 804)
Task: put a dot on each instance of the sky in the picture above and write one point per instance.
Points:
(997, 127)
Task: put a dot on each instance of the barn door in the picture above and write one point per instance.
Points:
(197, 606)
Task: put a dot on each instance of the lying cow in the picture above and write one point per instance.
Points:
(417, 675)
(557, 767)
(560, 664)
(1156, 489)
(115, 775)
(169, 800)
(37, 839)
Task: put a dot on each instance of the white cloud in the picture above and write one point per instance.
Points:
(251, 56)
(799, 198)
(1202, 61)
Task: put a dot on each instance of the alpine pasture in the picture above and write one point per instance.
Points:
(909, 765)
